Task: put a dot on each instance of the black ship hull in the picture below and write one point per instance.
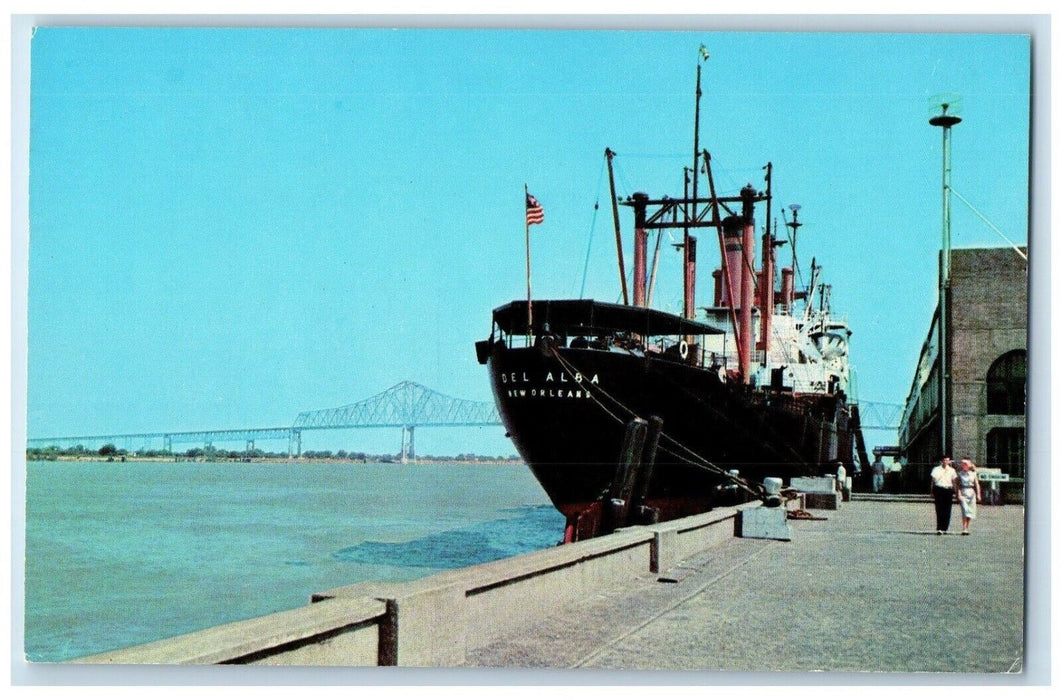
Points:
(566, 410)
(630, 414)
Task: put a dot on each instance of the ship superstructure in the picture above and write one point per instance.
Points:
(627, 413)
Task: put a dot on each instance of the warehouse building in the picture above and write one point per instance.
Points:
(985, 346)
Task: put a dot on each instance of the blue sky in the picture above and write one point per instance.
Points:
(231, 226)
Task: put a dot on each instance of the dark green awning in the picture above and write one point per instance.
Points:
(589, 317)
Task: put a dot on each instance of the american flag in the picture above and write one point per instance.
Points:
(534, 211)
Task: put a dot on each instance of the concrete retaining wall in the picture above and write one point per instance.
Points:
(513, 592)
(433, 621)
(676, 540)
(335, 633)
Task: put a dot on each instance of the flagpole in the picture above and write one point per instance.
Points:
(527, 246)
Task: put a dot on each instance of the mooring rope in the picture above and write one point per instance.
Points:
(693, 460)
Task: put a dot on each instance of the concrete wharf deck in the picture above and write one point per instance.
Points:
(872, 588)
(869, 587)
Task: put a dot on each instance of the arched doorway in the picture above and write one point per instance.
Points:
(1005, 383)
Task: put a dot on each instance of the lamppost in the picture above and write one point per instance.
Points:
(945, 121)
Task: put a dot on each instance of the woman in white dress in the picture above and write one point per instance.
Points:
(968, 489)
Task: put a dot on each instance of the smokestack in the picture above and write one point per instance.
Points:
(766, 292)
(787, 288)
(717, 277)
(690, 277)
(640, 238)
(748, 252)
(732, 246)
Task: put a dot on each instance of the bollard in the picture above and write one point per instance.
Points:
(767, 521)
(772, 487)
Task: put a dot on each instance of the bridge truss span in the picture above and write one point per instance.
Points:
(404, 405)
(877, 415)
(407, 405)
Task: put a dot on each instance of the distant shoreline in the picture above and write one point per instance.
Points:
(306, 460)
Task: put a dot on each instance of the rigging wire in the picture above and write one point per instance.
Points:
(781, 342)
(726, 173)
(593, 225)
(654, 155)
(990, 224)
(654, 267)
(622, 176)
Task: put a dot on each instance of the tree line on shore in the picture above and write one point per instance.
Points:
(211, 453)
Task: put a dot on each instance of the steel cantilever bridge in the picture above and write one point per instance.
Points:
(406, 405)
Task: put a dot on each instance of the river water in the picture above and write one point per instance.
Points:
(119, 554)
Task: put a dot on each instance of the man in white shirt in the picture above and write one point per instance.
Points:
(842, 482)
(942, 488)
(878, 471)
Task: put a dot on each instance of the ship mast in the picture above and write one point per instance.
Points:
(809, 293)
(689, 259)
(609, 153)
(789, 294)
(795, 225)
(767, 277)
(736, 229)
